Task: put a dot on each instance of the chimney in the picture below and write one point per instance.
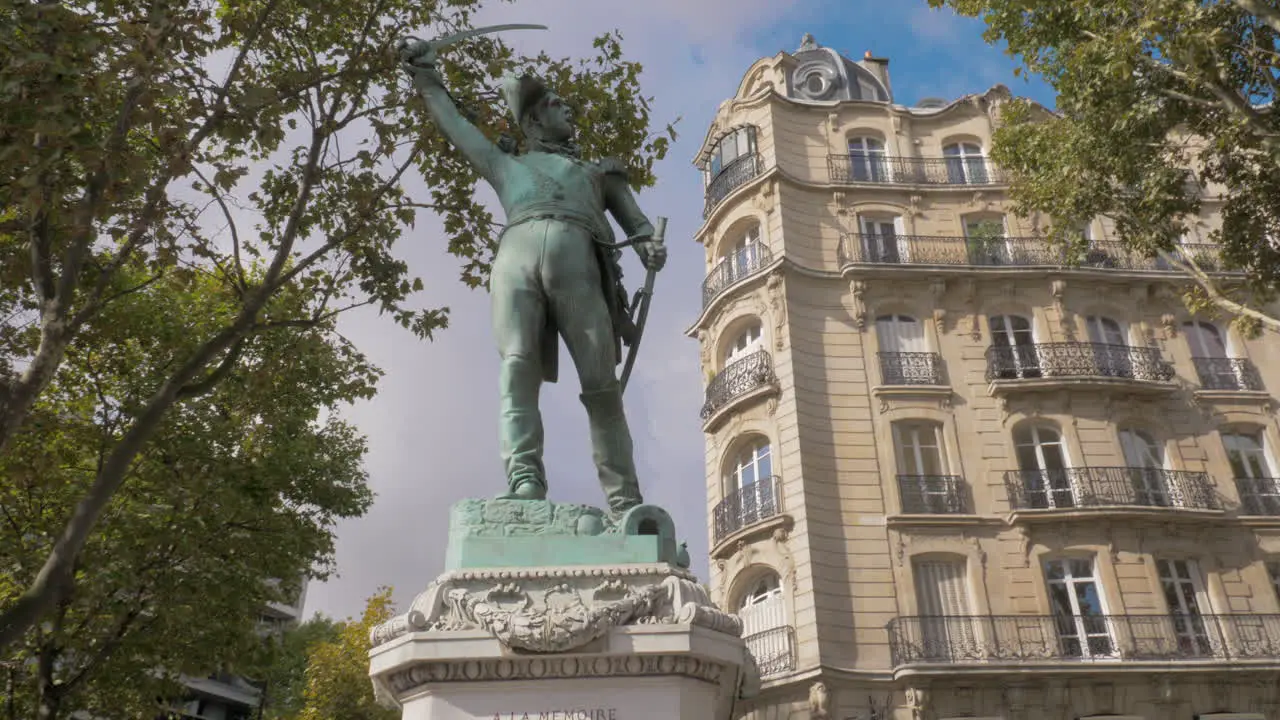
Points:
(880, 68)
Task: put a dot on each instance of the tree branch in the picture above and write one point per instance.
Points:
(194, 389)
(1265, 13)
(1189, 266)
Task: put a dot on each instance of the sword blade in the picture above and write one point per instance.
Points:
(454, 39)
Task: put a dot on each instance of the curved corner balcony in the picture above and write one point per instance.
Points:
(1007, 252)
(746, 506)
(1049, 365)
(1071, 489)
(895, 170)
(740, 265)
(733, 175)
(739, 379)
(1062, 638)
(1259, 496)
(774, 650)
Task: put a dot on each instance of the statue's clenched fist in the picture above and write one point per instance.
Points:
(418, 58)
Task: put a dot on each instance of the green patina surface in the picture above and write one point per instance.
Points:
(489, 533)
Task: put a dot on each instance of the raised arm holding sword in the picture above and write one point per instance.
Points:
(556, 272)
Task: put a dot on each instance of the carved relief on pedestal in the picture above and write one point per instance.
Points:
(778, 304)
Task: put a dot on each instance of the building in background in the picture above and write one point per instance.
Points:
(949, 474)
(223, 696)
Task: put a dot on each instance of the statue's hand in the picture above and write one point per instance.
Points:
(653, 255)
(418, 58)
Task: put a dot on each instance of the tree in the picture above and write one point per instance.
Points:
(260, 146)
(338, 684)
(285, 674)
(1148, 89)
(236, 488)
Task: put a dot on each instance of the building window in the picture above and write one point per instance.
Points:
(1273, 569)
(904, 356)
(1042, 462)
(1184, 597)
(747, 342)
(1106, 331)
(740, 143)
(752, 465)
(883, 239)
(742, 257)
(919, 448)
(1145, 463)
(1014, 346)
(1079, 615)
(867, 162)
(965, 163)
(900, 334)
(764, 625)
(986, 240)
(1205, 340)
(1254, 472)
(1217, 371)
(942, 598)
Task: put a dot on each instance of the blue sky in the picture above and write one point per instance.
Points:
(432, 428)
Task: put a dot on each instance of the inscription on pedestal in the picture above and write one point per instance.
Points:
(598, 713)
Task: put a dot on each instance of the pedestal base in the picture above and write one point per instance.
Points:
(647, 672)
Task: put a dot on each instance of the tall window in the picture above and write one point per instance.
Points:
(1014, 345)
(747, 342)
(900, 334)
(1255, 472)
(743, 257)
(942, 596)
(740, 143)
(1042, 460)
(882, 239)
(1080, 617)
(1144, 459)
(902, 348)
(752, 465)
(1106, 331)
(1184, 596)
(867, 161)
(965, 163)
(762, 610)
(919, 448)
(1209, 353)
(1110, 346)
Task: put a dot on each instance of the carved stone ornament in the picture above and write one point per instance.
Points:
(857, 292)
(819, 701)
(558, 609)
(778, 305)
(917, 702)
(937, 290)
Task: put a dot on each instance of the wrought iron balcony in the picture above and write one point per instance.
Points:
(1227, 374)
(933, 494)
(774, 650)
(911, 368)
(1091, 487)
(894, 170)
(738, 378)
(731, 176)
(1076, 359)
(962, 640)
(1259, 496)
(1024, 251)
(742, 264)
(747, 506)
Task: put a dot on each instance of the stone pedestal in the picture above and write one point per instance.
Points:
(616, 631)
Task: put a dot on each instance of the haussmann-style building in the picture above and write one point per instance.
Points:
(949, 474)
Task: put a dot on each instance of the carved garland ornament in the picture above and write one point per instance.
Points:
(778, 303)
(557, 611)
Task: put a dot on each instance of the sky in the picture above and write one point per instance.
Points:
(432, 428)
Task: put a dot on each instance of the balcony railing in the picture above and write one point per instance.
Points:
(733, 175)
(933, 494)
(747, 506)
(1076, 359)
(1092, 638)
(1089, 487)
(1259, 496)
(742, 264)
(774, 650)
(893, 170)
(738, 378)
(911, 368)
(861, 248)
(1227, 374)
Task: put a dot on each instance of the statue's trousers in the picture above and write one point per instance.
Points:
(546, 278)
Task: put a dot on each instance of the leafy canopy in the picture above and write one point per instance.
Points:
(1149, 90)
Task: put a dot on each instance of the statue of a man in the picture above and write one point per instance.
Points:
(555, 273)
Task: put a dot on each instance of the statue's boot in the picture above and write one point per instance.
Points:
(521, 440)
(611, 449)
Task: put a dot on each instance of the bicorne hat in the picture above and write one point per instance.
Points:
(522, 93)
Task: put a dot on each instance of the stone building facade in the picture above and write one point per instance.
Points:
(950, 472)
